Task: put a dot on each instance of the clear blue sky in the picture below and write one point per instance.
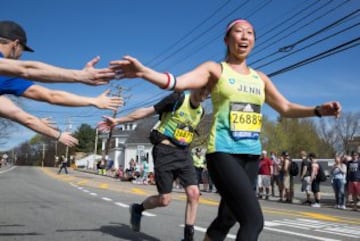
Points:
(182, 34)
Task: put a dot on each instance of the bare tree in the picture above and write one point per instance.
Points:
(6, 128)
(341, 131)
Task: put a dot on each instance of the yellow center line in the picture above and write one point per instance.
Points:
(104, 185)
(82, 182)
(139, 191)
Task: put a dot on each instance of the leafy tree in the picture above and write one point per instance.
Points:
(293, 135)
(86, 135)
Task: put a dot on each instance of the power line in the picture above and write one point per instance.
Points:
(340, 48)
(309, 45)
(291, 25)
(198, 36)
(206, 43)
(293, 45)
(189, 33)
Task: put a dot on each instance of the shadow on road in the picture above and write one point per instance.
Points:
(118, 230)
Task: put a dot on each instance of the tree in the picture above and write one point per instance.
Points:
(293, 135)
(5, 127)
(200, 138)
(24, 154)
(86, 135)
(341, 131)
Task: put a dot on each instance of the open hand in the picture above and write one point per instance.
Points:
(92, 76)
(107, 124)
(128, 67)
(67, 139)
(49, 122)
(103, 101)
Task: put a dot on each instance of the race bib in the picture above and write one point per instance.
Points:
(245, 120)
(183, 136)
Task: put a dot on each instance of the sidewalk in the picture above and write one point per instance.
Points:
(5, 168)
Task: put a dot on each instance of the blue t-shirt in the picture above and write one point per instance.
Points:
(13, 85)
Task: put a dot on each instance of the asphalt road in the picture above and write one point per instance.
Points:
(37, 204)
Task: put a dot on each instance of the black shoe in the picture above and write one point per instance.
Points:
(188, 233)
(188, 239)
(135, 217)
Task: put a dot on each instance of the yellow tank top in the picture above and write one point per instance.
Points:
(237, 100)
(180, 124)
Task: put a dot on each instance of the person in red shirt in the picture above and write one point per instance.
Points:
(264, 175)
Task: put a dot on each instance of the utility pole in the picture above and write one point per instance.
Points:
(56, 153)
(96, 140)
(95, 147)
(68, 129)
(43, 154)
(107, 147)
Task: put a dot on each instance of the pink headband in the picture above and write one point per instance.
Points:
(230, 25)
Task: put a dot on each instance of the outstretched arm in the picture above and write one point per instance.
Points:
(9, 110)
(103, 101)
(138, 114)
(205, 74)
(289, 109)
(48, 73)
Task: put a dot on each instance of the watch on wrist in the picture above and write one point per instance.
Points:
(317, 111)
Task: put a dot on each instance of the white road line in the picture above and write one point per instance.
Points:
(148, 214)
(7, 170)
(318, 226)
(347, 229)
(272, 224)
(337, 233)
(311, 237)
(269, 225)
(123, 205)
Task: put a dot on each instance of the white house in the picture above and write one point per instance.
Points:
(88, 162)
(131, 140)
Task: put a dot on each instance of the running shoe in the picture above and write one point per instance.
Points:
(135, 217)
(188, 239)
(316, 205)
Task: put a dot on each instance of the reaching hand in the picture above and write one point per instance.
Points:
(49, 122)
(67, 139)
(330, 109)
(107, 124)
(129, 67)
(103, 101)
(92, 76)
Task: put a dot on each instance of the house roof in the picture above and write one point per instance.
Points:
(140, 134)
